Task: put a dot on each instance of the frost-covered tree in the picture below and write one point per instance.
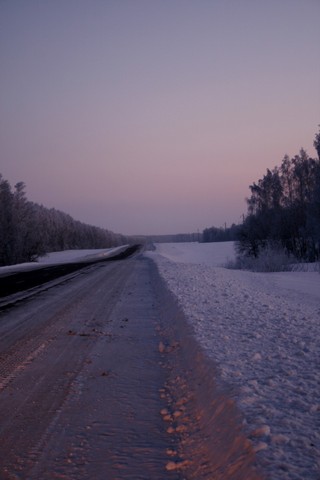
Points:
(284, 209)
(6, 222)
(28, 230)
(316, 143)
(27, 245)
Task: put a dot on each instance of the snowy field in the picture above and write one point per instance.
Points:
(213, 254)
(262, 330)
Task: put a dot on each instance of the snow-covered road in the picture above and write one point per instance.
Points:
(263, 331)
(97, 381)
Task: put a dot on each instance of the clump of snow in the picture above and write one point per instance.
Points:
(263, 331)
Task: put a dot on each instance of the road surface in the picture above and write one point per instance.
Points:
(100, 378)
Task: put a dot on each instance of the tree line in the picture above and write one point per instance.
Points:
(214, 234)
(28, 230)
(284, 209)
(174, 238)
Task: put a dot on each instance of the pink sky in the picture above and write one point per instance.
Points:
(149, 117)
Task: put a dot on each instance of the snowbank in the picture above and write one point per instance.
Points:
(66, 256)
(77, 255)
(263, 332)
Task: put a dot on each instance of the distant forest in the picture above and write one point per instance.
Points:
(173, 238)
(214, 234)
(283, 211)
(28, 230)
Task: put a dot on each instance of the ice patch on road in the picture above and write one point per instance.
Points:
(263, 332)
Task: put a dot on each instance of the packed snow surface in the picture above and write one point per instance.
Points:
(263, 331)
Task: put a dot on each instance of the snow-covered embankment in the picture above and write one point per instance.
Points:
(263, 332)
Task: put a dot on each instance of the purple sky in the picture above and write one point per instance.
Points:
(154, 116)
